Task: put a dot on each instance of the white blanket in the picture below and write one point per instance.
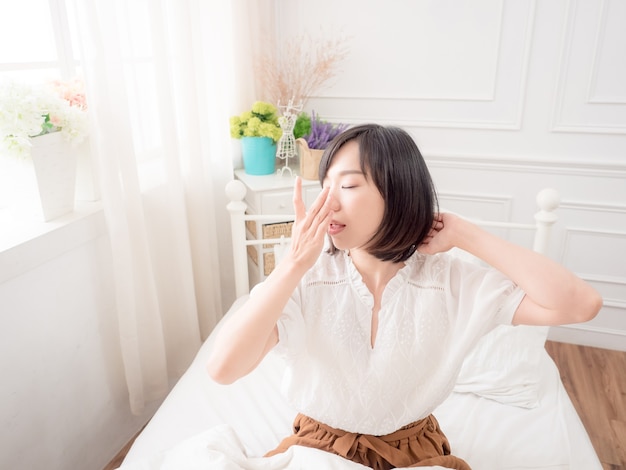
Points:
(221, 449)
(205, 425)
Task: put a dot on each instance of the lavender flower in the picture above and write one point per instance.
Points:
(322, 132)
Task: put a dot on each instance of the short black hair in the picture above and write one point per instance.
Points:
(390, 156)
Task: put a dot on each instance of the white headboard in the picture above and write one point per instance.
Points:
(547, 200)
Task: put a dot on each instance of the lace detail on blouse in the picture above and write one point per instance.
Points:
(326, 283)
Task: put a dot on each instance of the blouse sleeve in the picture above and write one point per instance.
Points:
(480, 297)
(291, 328)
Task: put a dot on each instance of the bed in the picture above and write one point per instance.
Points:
(509, 409)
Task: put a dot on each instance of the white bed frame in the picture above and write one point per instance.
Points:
(547, 199)
(201, 423)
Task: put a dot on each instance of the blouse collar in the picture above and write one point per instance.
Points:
(394, 284)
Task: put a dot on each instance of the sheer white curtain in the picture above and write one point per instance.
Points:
(160, 90)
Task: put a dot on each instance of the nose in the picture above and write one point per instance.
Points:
(333, 194)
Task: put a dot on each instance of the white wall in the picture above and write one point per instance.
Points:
(504, 98)
(63, 398)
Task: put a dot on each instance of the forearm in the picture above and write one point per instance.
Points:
(558, 295)
(246, 336)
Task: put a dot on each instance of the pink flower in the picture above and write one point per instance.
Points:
(72, 91)
(56, 120)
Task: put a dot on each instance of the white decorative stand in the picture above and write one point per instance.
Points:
(286, 147)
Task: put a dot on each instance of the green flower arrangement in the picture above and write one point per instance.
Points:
(260, 121)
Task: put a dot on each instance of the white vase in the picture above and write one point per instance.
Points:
(54, 161)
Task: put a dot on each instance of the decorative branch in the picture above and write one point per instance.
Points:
(302, 68)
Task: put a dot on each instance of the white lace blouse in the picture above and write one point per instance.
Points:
(432, 312)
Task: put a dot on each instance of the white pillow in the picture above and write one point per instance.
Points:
(504, 364)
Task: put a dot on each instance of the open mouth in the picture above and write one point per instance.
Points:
(334, 228)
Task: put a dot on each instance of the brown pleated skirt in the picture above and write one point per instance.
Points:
(419, 444)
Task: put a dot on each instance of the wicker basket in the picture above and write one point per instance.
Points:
(276, 231)
(268, 231)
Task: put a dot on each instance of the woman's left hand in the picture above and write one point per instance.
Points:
(440, 237)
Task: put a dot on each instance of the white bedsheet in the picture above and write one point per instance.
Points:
(205, 425)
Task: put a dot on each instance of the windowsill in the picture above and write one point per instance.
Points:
(29, 243)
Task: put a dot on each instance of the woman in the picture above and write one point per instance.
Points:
(375, 329)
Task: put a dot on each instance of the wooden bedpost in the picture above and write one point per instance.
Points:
(548, 200)
(236, 191)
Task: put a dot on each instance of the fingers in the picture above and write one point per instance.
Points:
(298, 203)
(319, 209)
(436, 227)
(322, 202)
(310, 225)
(437, 222)
(323, 217)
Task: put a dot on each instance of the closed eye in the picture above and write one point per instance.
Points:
(348, 187)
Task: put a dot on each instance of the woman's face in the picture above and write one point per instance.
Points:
(357, 204)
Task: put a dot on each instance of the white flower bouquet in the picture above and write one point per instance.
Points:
(28, 111)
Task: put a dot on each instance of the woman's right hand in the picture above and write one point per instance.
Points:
(245, 338)
(310, 227)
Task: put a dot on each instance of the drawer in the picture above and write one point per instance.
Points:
(277, 203)
(281, 202)
(310, 194)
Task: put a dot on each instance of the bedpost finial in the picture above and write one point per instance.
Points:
(548, 199)
(235, 190)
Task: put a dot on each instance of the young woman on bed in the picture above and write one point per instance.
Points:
(375, 329)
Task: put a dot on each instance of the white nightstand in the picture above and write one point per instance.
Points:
(271, 194)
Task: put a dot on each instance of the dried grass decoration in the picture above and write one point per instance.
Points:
(301, 68)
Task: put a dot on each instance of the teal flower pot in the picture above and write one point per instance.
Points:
(259, 155)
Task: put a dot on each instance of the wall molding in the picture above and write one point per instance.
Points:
(564, 60)
(331, 97)
(489, 96)
(572, 231)
(592, 207)
(597, 47)
(527, 165)
(615, 303)
(588, 129)
(529, 32)
(588, 335)
(508, 116)
(595, 329)
(604, 279)
(360, 117)
(464, 196)
(587, 231)
(558, 125)
(503, 202)
(599, 42)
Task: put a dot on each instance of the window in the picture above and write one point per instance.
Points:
(36, 41)
(37, 44)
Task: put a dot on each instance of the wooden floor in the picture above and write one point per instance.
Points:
(595, 380)
(117, 460)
